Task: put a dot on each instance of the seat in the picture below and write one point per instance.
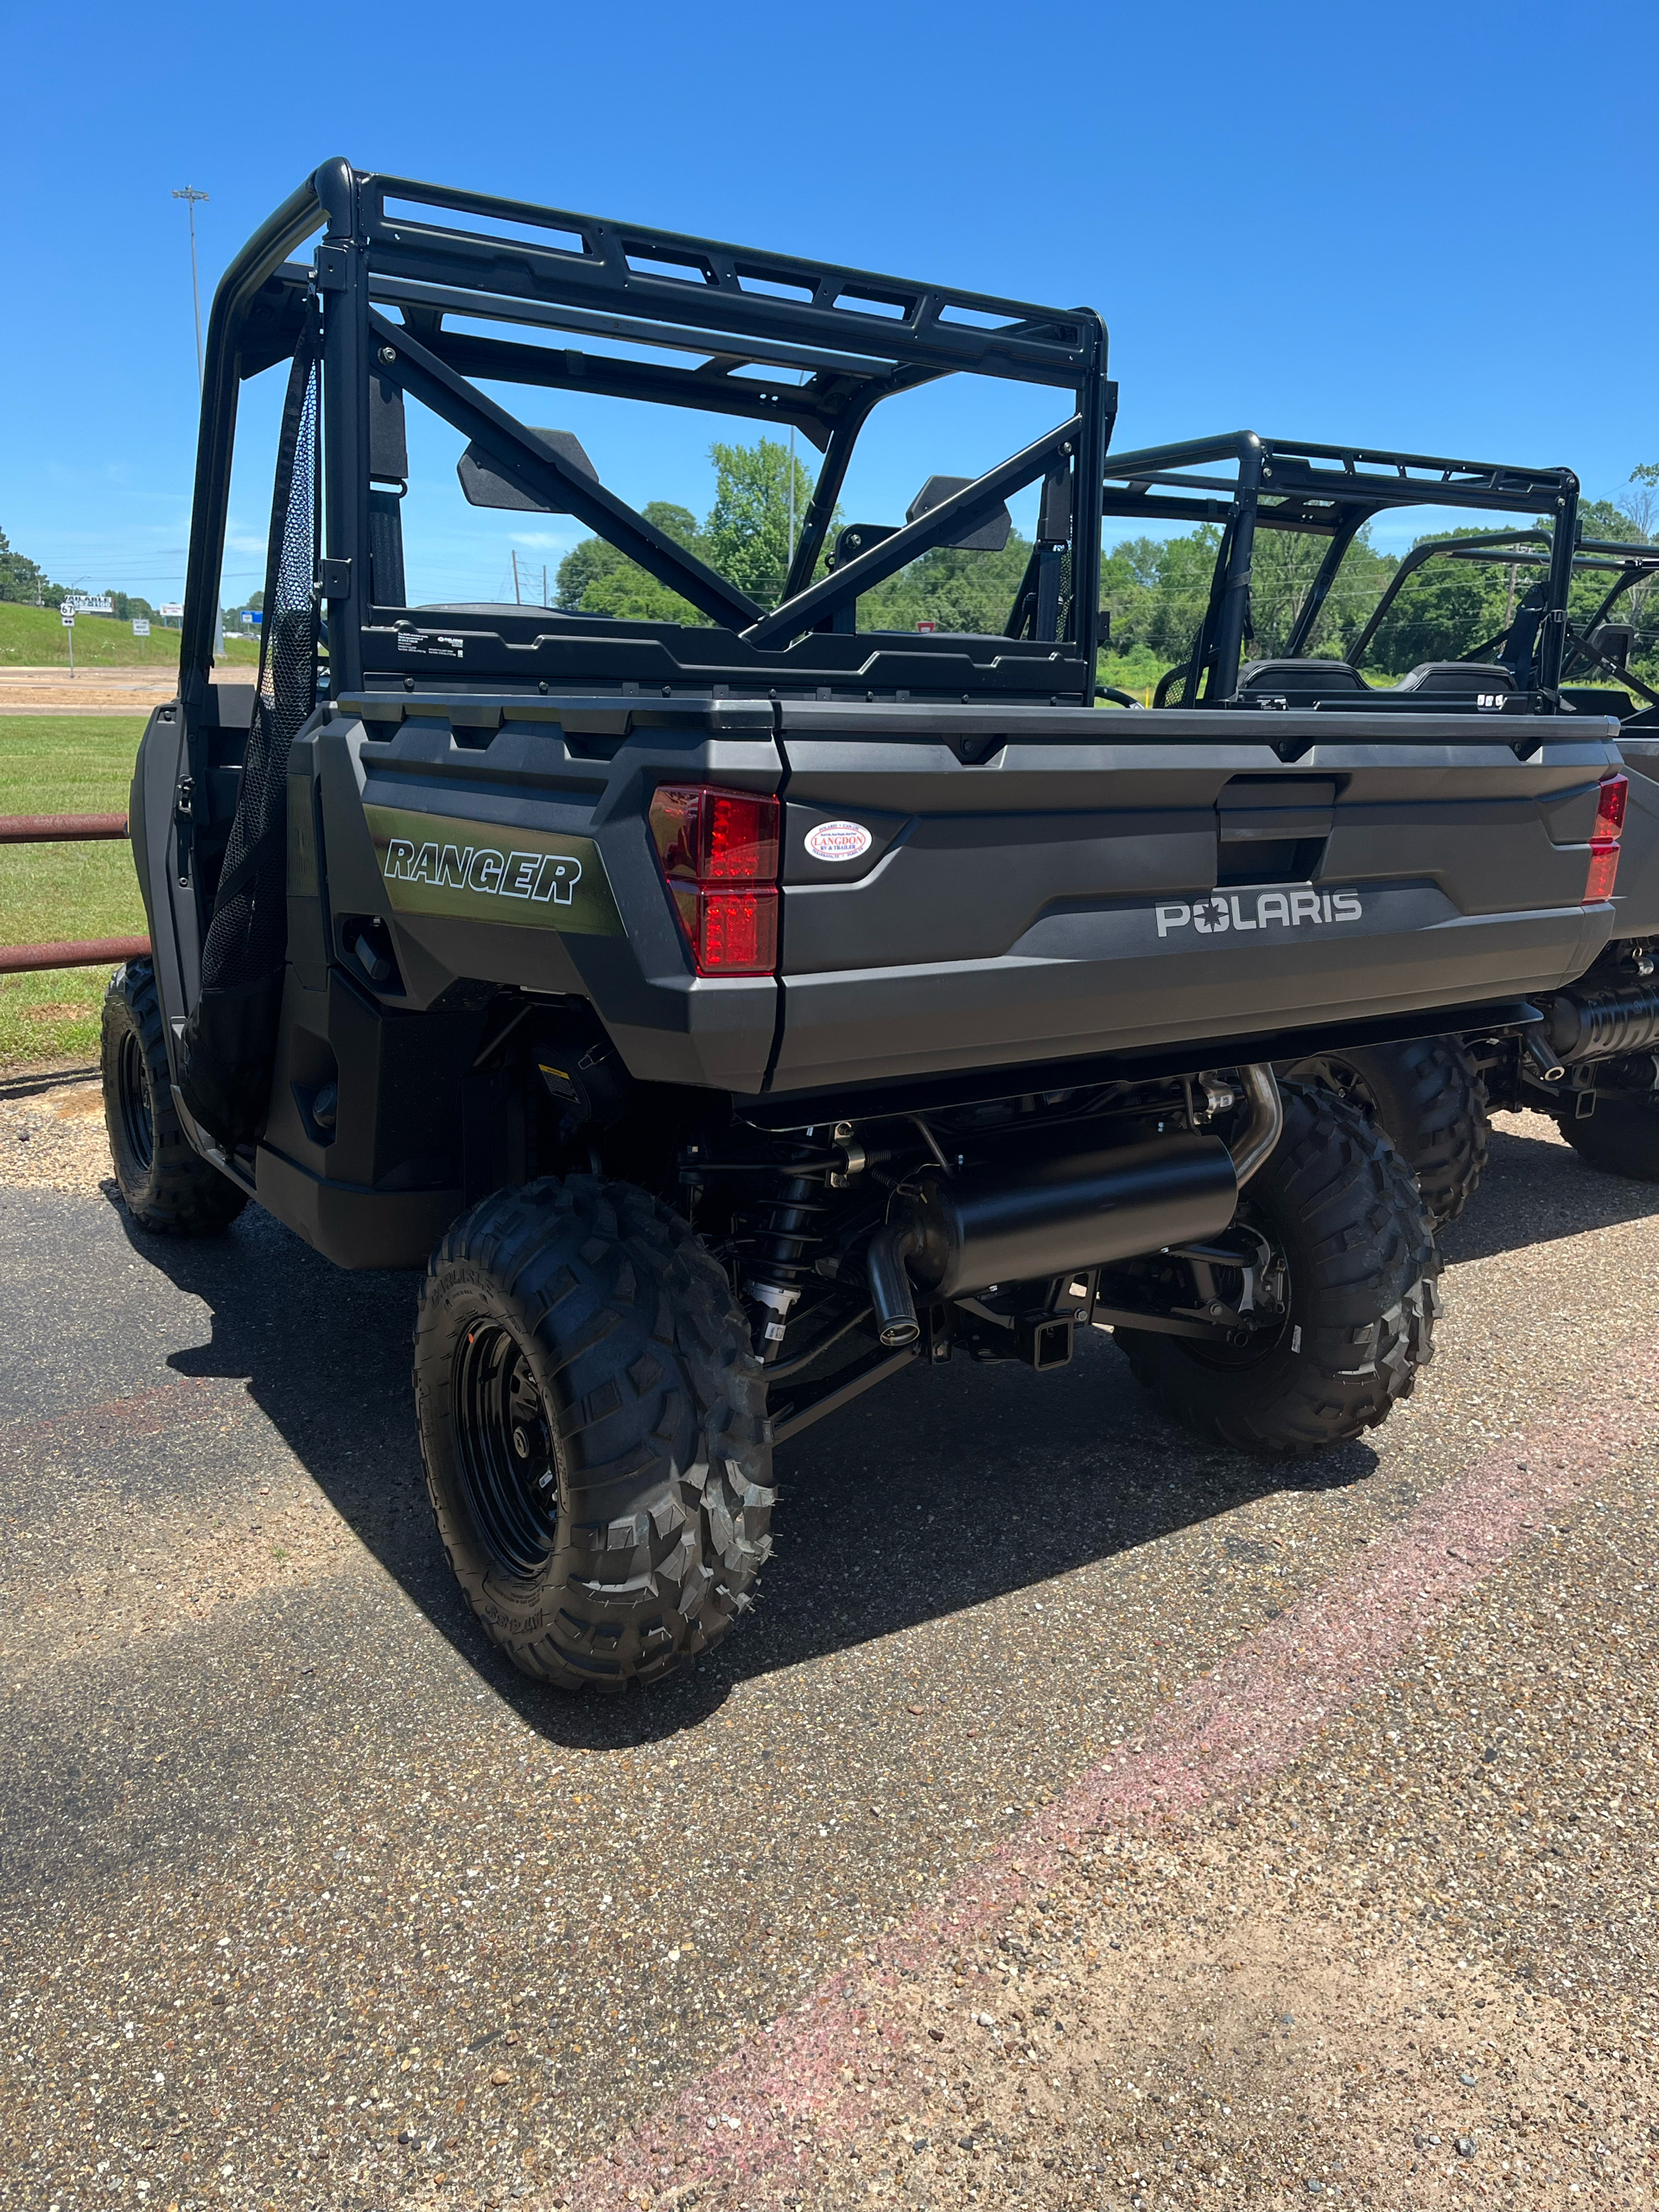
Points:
(1318, 679)
(1461, 677)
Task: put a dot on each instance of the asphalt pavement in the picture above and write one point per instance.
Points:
(307, 1901)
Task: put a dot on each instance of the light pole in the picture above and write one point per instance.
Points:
(189, 193)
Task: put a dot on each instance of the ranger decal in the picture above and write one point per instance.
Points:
(1258, 910)
(481, 871)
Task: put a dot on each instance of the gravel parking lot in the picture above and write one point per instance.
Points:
(955, 1877)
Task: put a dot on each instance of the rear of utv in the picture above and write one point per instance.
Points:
(735, 1004)
(1528, 627)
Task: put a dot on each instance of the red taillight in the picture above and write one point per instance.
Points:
(1604, 840)
(1610, 809)
(1604, 873)
(737, 933)
(719, 852)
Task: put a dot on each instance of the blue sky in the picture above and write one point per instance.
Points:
(1421, 226)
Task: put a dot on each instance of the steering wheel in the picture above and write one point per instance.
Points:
(1110, 692)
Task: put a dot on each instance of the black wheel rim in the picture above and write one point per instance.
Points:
(504, 1445)
(1338, 1075)
(132, 1088)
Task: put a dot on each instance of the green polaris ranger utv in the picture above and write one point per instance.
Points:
(736, 1005)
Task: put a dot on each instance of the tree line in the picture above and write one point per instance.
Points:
(1154, 590)
(23, 582)
(746, 537)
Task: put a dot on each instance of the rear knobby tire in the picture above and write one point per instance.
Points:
(592, 1422)
(1620, 1138)
(1338, 1205)
(1427, 1096)
(168, 1187)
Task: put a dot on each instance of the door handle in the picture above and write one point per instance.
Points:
(184, 823)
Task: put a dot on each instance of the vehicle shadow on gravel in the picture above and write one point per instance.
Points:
(940, 1491)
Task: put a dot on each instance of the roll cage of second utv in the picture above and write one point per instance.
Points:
(744, 1007)
(1585, 1056)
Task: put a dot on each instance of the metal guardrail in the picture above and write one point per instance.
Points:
(60, 828)
(66, 830)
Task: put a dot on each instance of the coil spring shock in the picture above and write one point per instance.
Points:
(788, 1242)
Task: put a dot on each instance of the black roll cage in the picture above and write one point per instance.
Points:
(854, 337)
(1628, 564)
(1329, 492)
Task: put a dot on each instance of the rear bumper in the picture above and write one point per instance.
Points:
(1116, 988)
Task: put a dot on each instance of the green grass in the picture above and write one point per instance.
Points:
(1139, 672)
(53, 765)
(34, 636)
(1136, 672)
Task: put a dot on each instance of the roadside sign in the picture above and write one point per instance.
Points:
(140, 627)
(173, 613)
(67, 618)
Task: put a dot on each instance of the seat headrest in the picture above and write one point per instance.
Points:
(1321, 676)
(1460, 677)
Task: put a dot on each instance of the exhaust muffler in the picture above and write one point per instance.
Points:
(1053, 1212)
(1602, 1025)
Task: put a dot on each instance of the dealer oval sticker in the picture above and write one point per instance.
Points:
(838, 841)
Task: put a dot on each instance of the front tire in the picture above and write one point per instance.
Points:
(1428, 1099)
(1620, 1138)
(168, 1187)
(592, 1422)
(1339, 1207)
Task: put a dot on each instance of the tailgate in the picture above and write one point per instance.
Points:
(1636, 902)
(1026, 884)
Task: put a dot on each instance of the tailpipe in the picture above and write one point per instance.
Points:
(890, 1294)
(1266, 1125)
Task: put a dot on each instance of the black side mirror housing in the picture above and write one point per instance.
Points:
(483, 487)
(988, 537)
(1613, 641)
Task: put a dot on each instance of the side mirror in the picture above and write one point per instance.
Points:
(1613, 641)
(988, 537)
(482, 487)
